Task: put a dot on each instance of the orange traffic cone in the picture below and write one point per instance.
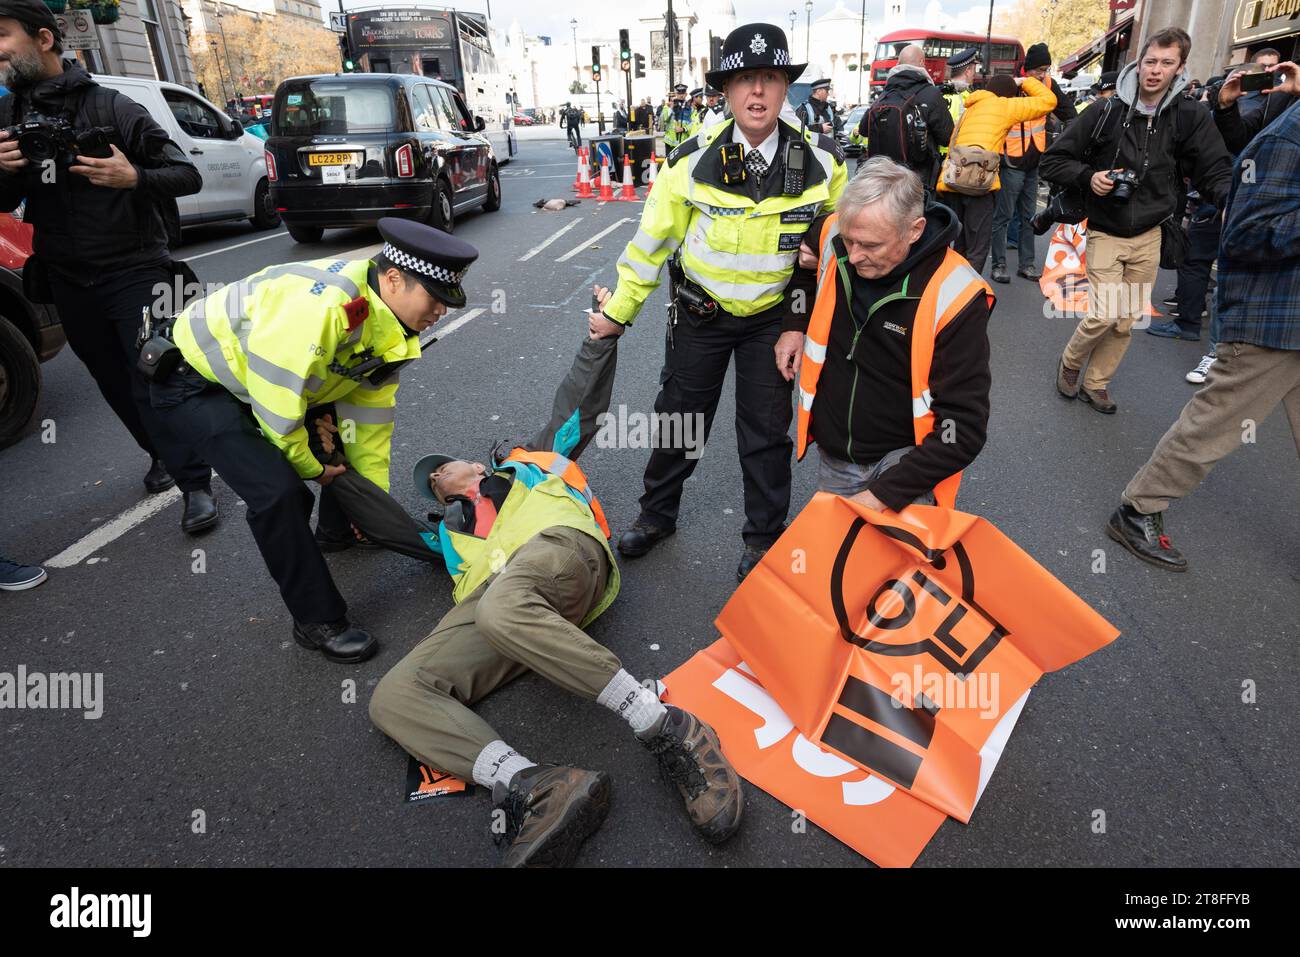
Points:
(606, 190)
(629, 191)
(654, 167)
(584, 183)
(582, 162)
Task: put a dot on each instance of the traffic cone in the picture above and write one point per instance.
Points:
(606, 190)
(582, 162)
(629, 191)
(654, 166)
(584, 183)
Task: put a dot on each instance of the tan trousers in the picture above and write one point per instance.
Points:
(524, 619)
(1121, 273)
(1245, 385)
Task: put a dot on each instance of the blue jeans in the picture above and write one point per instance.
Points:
(1018, 197)
(1194, 273)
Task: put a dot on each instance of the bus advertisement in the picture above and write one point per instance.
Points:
(447, 45)
(1008, 53)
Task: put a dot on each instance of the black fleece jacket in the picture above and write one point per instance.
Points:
(863, 408)
(83, 231)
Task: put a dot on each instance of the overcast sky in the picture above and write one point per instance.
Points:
(603, 17)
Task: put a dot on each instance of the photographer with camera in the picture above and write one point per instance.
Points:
(94, 169)
(1130, 156)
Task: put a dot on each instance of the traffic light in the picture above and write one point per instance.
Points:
(640, 66)
(345, 52)
(715, 52)
(624, 51)
(595, 63)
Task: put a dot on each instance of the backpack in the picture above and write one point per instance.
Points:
(97, 102)
(896, 128)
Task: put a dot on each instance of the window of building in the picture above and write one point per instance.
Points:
(153, 32)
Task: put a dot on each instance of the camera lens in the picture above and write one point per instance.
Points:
(37, 146)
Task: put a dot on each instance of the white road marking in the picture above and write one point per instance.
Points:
(226, 249)
(142, 511)
(445, 331)
(604, 232)
(550, 239)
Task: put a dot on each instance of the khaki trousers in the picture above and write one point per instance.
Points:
(523, 619)
(1245, 385)
(1121, 273)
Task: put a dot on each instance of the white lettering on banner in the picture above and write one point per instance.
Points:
(810, 758)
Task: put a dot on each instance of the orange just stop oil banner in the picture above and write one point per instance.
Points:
(898, 642)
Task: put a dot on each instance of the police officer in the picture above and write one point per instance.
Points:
(99, 238)
(963, 67)
(817, 113)
(715, 110)
(697, 103)
(731, 206)
(677, 118)
(267, 353)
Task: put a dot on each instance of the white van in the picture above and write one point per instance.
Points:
(232, 162)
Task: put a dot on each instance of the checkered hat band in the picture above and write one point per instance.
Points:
(410, 263)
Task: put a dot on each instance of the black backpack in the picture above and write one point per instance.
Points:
(98, 103)
(896, 128)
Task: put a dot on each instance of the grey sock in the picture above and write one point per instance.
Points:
(635, 704)
(497, 763)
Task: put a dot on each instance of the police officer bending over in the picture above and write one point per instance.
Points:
(100, 242)
(300, 340)
(731, 207)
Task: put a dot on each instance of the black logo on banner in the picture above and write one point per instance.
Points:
(875, 751)
(942, 644)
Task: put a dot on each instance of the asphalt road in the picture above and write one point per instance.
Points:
(210, 706)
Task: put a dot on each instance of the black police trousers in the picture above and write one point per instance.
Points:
(695, 365)
(102, 323)
(214, 424)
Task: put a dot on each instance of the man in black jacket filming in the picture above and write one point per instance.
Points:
(100, 242)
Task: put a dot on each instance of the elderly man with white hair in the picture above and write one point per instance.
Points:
(887, 330)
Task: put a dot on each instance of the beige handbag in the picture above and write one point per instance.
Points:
(969, 169)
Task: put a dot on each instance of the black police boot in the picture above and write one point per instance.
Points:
(156, 479)
(549, 812)
(690, 757)
(338, 641)
(999, 273)
(330, 541)
(200, 511)
(1144, 536)
(753, 555)
(642, 537)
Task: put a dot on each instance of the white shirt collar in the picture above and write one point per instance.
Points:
(767, 147)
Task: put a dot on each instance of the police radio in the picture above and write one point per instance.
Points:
(796, 161)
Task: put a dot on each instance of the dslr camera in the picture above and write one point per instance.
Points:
(1125, 181)
(41, 138)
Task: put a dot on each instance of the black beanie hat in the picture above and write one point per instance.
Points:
(34, 13)
(1036, 56)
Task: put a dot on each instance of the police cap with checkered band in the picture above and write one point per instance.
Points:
(755, 46)
(436, 260)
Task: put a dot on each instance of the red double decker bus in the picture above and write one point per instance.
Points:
(1008, 53)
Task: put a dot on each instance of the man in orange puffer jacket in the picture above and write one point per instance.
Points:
(989, 114)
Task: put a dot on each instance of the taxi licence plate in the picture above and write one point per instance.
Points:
(330, 159)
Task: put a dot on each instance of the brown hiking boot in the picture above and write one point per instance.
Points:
(1099, 399)
(549, 812)
(1067, 379)
(690, 756)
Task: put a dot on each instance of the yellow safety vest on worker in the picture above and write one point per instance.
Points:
(740, 251)
(281, 340)
(951, 289)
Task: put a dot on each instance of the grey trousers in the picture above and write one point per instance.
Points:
(1246, 383)
(523, 619)
(840, 477)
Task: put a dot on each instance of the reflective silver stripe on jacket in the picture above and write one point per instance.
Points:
(365, 415)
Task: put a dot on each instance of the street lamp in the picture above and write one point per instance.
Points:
(574, 25)
(862, 31)
(807, 49)
(793, 16)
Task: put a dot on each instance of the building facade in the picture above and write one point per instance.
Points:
(149, 40)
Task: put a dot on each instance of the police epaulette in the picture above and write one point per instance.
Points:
(357, 310)
(829, 144)
(685, 148)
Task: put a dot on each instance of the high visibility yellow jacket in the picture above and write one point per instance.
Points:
(741, 251)
(280, 340)
(677, 129)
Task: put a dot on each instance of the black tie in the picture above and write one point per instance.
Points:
(755, 163)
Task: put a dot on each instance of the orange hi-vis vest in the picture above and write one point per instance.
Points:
(568, 472)
(1022, 135)
(951, 289)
